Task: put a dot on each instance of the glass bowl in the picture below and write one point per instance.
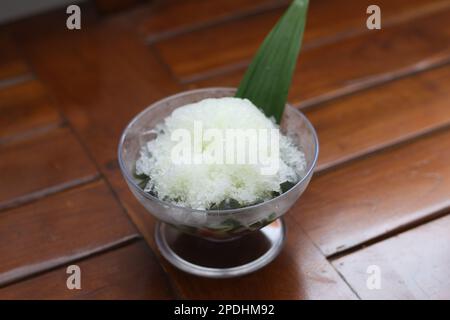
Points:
(216, 243)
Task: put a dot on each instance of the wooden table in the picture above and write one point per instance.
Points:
(379, 99)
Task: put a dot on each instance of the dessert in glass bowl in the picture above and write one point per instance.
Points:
(218, 167)
(223, 223)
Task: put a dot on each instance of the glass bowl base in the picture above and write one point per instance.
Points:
(221, 259)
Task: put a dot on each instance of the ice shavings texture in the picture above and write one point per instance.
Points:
(201, 186)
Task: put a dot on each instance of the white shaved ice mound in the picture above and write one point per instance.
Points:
(201, 186)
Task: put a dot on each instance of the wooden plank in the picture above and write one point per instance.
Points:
(26, 107)
(143, 219)
(141, 80)
(110, 6)
(377, 195)
(42, 164)
(113, 76)
(166, 18)
(356, 125)
(360, 62)
(11, 64)
(413, 265)
(100, 60)
(64, 227)
(230, 45)
(130, 272)
(306, 274)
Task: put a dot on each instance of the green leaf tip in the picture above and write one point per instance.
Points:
(268, 78)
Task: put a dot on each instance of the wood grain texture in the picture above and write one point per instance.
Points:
(106, 73)
(130, 272)
(113, 76)
(26, 107)
(377, 195)
(116, 59)
(93, 111)
(299, 272)
(363, 61)
(413, 265)
(356, 125)
(11, 63)
(40, 165)
(143, 219)
(59, 229)
(103, 59)
(230, 45)
(169, 17)
(110, 6)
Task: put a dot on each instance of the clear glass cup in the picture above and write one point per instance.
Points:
(216, 243)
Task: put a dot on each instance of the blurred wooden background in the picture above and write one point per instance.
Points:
(379, 99)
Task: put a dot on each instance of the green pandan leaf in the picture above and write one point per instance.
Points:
(268, 78)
